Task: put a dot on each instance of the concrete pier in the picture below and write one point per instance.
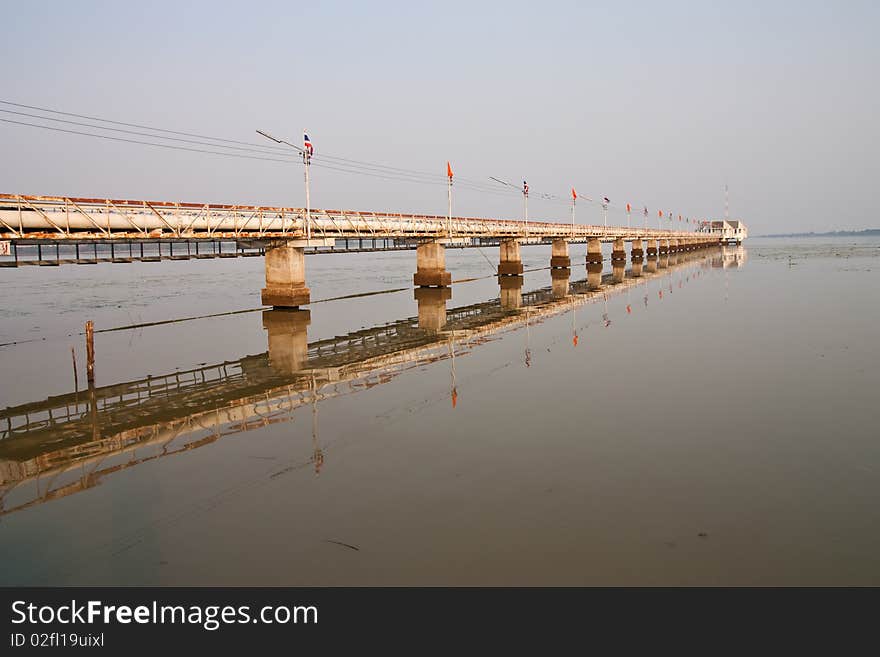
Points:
(618, 271)
(651, 264)
(618, 250)
(637, 267)
(432, 307)
(510, 263)
(511, 291)
(431, 265)
(559, 281)
(594, 250)
(288, 339)
(285, 276)
(652, 248)
(559, 257)
(663, 247)
(637, 253)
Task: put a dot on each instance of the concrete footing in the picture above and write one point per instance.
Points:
(510, 262)
(594, 251)
(559, 257)
(285, 277)
(431, 266)
(636, 250)
(618, 250)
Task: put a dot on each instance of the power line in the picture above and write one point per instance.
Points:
(269, 153)
(222, 153)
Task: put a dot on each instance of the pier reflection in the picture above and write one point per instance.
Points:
(65, 444)
(594, 275)
(510, 293)
(559, 284)
(432, 307)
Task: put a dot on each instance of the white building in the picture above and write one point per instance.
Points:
(727, 230)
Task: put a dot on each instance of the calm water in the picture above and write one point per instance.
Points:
(711, 423)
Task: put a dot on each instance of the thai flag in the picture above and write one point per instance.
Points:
(307, 145)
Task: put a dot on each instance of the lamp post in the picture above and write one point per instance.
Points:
(307, 160)
(525, 193)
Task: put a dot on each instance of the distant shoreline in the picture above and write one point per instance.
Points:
(868, 232)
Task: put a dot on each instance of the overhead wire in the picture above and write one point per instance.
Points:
(273, 153)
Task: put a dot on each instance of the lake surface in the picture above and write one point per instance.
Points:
(714, 422)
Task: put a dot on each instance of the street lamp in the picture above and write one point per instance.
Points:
(307, 160)
(525, 193)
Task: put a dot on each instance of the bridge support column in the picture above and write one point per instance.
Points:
(663, 247)
(652, 248)
(285, 276)
(511, 259)
(637, 267)
(618, 271)
(432, 307)
(559, 258)
(511, 291)
(431, 266)
(618, 250)
(288, 339)
(594, 250)
(559, 278)
(637, 253)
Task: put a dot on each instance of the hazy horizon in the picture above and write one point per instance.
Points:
(653, 105)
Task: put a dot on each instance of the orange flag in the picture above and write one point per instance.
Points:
(574, 194)
(449, 170)
(628, 208)
(660, 213)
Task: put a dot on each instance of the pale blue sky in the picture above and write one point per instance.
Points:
(651, 103)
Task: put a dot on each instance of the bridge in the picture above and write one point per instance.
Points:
(285, 235)
(67, 443)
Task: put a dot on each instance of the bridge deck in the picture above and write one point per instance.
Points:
(57, 218)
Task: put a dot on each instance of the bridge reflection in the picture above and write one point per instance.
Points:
(68, 443)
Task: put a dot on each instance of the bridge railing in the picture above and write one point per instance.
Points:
(60, 218)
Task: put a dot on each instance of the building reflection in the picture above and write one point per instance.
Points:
(729, 257)
(67, 443)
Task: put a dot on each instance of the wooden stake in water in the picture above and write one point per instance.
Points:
(75, 378)
(90, 351)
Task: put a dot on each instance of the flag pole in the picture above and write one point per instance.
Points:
(449, 199)
(307, 159)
